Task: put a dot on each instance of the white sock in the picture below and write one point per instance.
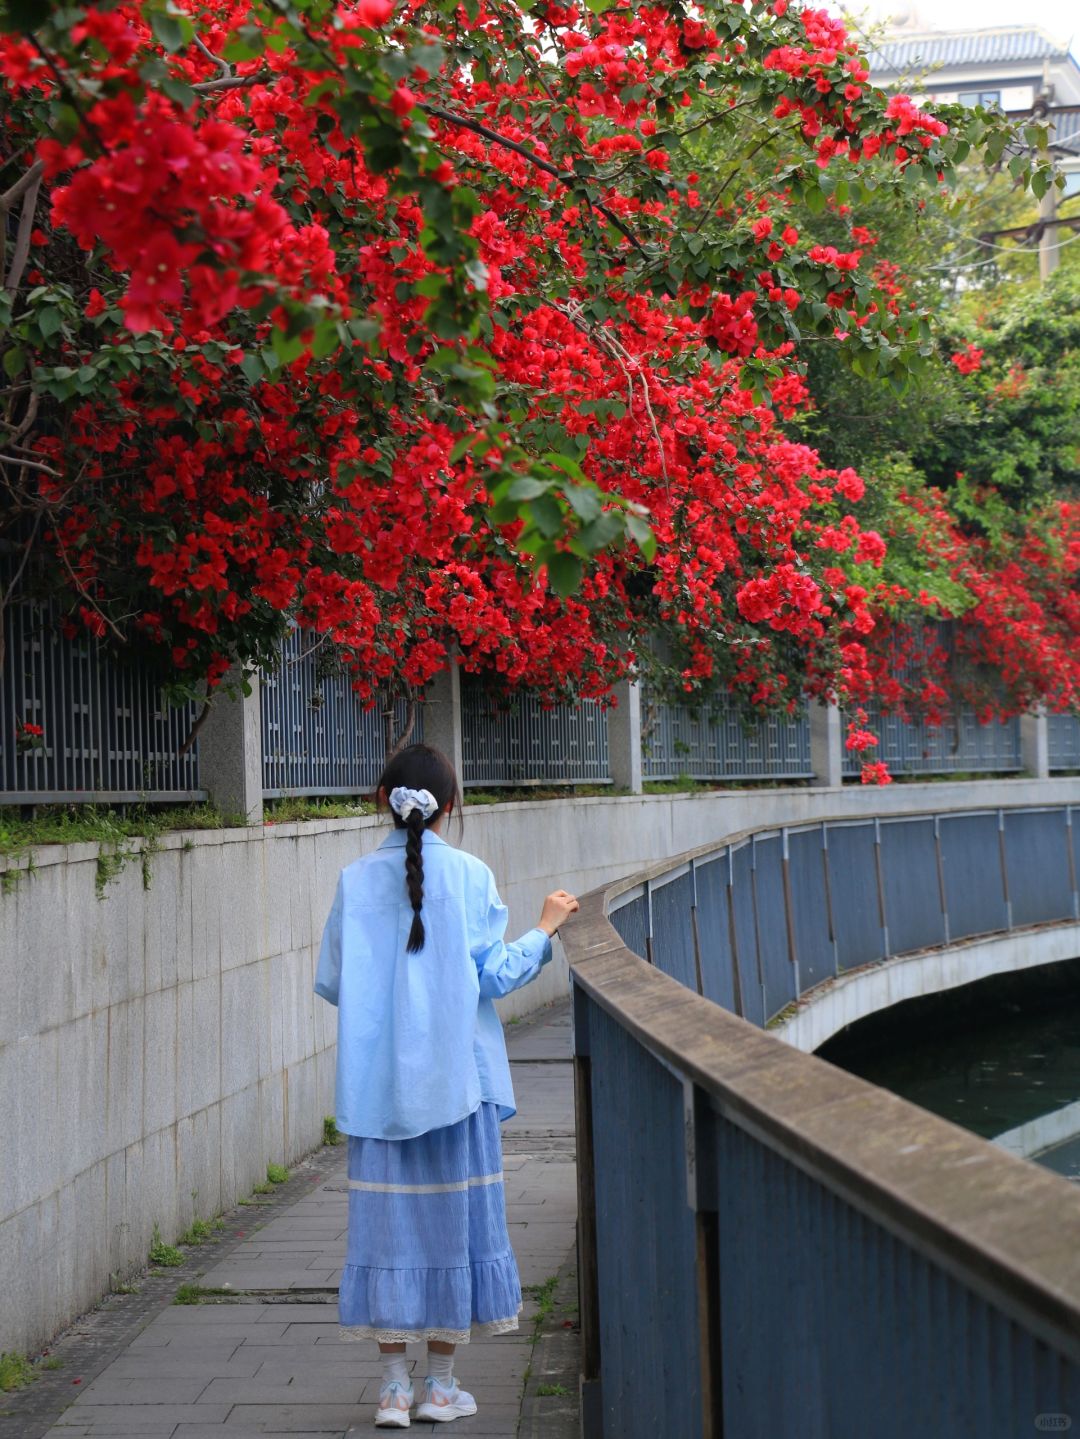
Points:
(395, 1370)
(441, 1367)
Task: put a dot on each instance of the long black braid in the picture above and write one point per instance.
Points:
(419, 767)
(414, 877)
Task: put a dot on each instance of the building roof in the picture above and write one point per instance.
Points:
(1067, 131)
(1005, 45)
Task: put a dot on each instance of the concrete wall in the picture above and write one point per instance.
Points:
(158, 1047)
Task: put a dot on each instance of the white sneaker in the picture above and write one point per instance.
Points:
(442, 1404)
(395, 1401)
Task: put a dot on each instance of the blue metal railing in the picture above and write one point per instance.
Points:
(770, 1248)
(759, 920)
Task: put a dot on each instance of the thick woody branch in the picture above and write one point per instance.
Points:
(26, 228)
(232, 82)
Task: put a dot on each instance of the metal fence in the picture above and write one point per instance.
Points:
(715, 741)
(960, 746)
(107, 732)
(317, 738)
(1063, 741)
(522, 743)
(770, 1247)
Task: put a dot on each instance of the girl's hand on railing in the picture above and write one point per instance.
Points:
(558, 905)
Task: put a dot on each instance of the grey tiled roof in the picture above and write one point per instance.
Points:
(1067, 131)
(973, 47)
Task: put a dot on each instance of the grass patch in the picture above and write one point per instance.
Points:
(544, 1294)
(110, 829)
(16, 1371)
(330, 1132)
(547, 1391)
(277, 1173)
(166, 1256)
(289, 811)
(197, 1293)
(200, 1231)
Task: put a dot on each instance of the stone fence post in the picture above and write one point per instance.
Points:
(1035, 744)
(442, 716)
(624, 737)
(230, 753)
(826, 745)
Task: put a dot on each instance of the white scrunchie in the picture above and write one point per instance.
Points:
(403, 801)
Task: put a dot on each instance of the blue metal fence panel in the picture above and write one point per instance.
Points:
(915, 747)
(710, 741)
(671, 908)
(645, 1244)
(814, 946)
(1063, 741)
(631, 923)
(971, 862)
(854, 886)
(522, 743)
(1037, 864)
(909, 873)
(795, 1260)
(714, 932)
(742, 902)
(108, 733)
(772, 935)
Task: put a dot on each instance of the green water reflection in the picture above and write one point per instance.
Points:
(990, 1057)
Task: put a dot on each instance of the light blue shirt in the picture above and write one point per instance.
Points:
(420, 1044)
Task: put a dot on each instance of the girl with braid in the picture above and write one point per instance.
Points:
(413, 956)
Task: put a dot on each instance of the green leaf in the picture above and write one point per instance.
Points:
(14, 362)
(527, 487)
(546, 515)
(326, 339)
(49, 321)
(583, 501)
(173, 31)
(641, 533)
(286, 348)
(176, 90)
(599, 534)
(564, 571)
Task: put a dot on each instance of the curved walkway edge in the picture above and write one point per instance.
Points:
(827, 1008)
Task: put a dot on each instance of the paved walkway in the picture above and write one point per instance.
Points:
(271, 1362)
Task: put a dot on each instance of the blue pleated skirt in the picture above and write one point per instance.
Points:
(428, 1254)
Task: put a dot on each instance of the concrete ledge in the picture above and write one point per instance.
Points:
(827, 1008)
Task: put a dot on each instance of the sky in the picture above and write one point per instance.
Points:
(1060, 18)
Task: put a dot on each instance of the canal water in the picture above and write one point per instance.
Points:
(1000, 1057)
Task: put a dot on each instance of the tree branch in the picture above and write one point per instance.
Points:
(21, 185)
(232, 82)
(219, 60)
(26, 229)
(565, 177)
